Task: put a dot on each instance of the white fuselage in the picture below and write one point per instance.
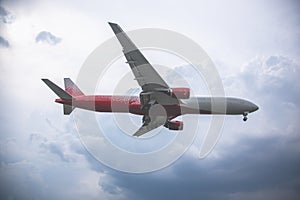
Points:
(217, 105)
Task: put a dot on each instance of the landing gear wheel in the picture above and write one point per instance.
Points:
(146, 119)
(245, 116)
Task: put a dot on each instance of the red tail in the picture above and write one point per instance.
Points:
(71, 88)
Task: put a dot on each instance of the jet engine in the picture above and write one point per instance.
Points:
(174, 125)
(180, 93)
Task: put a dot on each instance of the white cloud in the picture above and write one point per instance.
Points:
(47, 37)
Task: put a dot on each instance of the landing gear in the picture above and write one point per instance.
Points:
(245, 116)
(146, 119)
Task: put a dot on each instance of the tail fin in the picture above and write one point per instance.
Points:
(57, 90)
(62, 94)
(71, 88)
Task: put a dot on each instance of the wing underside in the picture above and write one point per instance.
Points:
(154, 88)
(146, 76)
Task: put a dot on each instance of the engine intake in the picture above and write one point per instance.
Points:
(174, 125)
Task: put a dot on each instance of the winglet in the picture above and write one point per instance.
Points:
(115, 27)
(125, 41)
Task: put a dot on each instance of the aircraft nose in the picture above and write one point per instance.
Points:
(254, 107)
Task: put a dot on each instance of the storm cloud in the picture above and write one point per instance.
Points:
(256, 168)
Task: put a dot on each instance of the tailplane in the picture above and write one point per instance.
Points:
(68, 109)
(57, 90)
(69, 94)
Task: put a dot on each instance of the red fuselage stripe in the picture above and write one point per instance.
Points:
(108, 103)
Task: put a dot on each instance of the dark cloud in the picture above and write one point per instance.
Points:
(5, 16)
(254, 166)
(48, 169)
(47, 37)
(4, 42)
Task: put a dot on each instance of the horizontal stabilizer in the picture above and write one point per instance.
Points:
(57, 90)
(68, 109)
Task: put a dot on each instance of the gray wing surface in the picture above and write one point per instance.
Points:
(143, 71)
(153, 124)
(147, 77)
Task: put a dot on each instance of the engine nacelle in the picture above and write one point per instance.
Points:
(174, 125)
(180, 93)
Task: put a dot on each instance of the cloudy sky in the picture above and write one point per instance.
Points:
(255, 46)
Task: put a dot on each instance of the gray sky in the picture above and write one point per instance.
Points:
(255, 47)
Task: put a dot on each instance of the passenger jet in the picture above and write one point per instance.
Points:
(158, 103)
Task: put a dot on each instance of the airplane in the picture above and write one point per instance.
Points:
(158, 103)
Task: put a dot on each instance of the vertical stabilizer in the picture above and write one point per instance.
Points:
(71, 88)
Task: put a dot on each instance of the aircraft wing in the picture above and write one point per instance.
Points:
(143, 71)
(154, 87)
(153, 124)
